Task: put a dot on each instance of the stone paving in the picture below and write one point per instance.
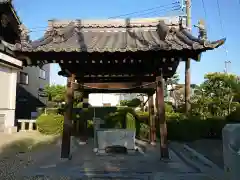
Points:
(85, 164)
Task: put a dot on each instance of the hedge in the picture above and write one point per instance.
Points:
(180, 127)
(50, 124)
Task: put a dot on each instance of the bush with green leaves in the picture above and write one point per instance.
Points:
(234, 116)
(131, 103)
(50, 124)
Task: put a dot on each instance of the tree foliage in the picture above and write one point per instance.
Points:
(131, 103)
(55, 93)
(216, 96)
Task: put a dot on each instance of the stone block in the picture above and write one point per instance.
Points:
(231, 151)
(116, 137)
(10, 130)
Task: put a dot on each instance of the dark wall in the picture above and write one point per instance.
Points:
(26, 103)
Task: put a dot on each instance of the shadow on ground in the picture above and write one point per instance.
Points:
(26, 145)
(21, 150)
(211, 149)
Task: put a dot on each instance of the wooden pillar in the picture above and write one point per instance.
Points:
(67, 125)
(161, 116)
(85, 104)
(152, 121)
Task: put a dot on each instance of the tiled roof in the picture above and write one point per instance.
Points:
(156, 34)
(5, 1)
(7, 48)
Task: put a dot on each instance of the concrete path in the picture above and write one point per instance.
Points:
(85, 164)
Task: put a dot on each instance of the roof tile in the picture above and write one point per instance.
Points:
(115, 36)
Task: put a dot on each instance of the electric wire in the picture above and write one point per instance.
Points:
(204, 9)
(174, 6)
(174, 3)
(222, 29)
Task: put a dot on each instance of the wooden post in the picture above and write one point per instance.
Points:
(67, 126)
(161, 116)
(151, 120)
(85, 110)
(188, 63)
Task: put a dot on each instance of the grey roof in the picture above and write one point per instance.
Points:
(5, 1)
(151, 34)
(7, 48)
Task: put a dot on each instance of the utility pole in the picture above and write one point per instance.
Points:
(226, 66)
(187, 63)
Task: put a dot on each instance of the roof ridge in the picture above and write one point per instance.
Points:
(5, 1)
(111, 23)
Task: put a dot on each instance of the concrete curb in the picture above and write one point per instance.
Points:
(201, 157)
(186, 160)
(205, 165)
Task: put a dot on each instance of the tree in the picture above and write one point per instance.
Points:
(55, 93)
(217, 95)
(131, 103)
(172, 82)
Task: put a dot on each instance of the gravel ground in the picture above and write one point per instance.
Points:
(211, 149)
(13, 155)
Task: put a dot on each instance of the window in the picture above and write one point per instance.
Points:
(23, 78)
(42, 74)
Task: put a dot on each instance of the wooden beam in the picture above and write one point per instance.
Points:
(111, 79)
(118, 87)
(162, 119)
(67, 125)
(152, 120)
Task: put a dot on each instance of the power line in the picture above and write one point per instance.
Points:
(221, 24)
(204, 9)
(220, 16)
(162, 6)
(171, 9)
(174, 8)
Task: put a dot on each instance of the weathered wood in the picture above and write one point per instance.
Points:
(130, 87)
(67, 126)
(151, 120)
(162, 120)
(85, 102)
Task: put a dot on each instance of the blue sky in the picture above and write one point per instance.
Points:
(35, 14)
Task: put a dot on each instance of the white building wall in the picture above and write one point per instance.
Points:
(97, 99)
(8, 80)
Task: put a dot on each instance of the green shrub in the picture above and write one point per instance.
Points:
(142, 116)
(168, 107)
(131, 103)
(50, 124)
(90, 128)
(144, 131)
(114, 120)
(48, 110)
(182, 128)
(234, 116)
(193, 129)
(174, 116)
(130, 121)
